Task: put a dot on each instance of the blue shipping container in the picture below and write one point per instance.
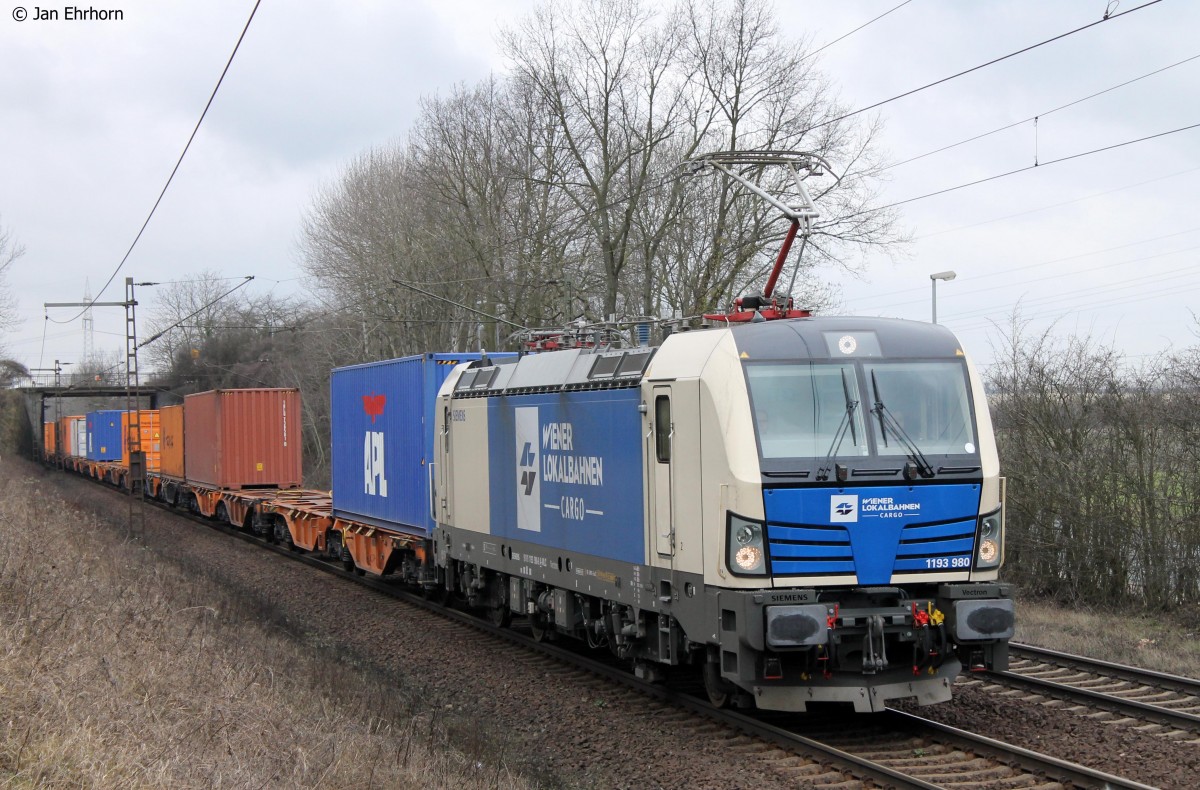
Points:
(383, 420)
(104, 435)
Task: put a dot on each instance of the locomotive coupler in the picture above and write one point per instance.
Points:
(874, 647)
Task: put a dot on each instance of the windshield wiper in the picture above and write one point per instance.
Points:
(847, 423)
(886, 420)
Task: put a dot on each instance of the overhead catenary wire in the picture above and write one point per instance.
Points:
(1027, 168)
(844, 36)
(1106, 18)
(162, 193)
(42, 353)
(977, 323)
(1122, 285)
(196, 312)
(1091, 196)
(1117, 285)
(1036, 116)
(1039, 264)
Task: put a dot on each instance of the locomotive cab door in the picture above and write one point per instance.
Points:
(442, 477)
(661, 441)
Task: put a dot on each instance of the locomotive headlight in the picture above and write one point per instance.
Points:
(990, 543)
(745, 552)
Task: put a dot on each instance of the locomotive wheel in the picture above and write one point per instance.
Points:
(720, 691)
(500, 616)
(540, 629)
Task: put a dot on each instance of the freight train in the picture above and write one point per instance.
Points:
(805, 510)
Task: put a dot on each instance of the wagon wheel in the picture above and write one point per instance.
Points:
(338, 550)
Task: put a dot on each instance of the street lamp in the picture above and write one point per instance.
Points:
(933, 278)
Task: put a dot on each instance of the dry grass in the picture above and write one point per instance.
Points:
(1164, 642)
(119, 672)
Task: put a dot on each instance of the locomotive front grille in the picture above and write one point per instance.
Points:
(869, 549)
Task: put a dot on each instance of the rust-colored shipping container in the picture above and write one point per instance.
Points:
(243, 438)
(150, 438)
(170, 423)
(48, 438)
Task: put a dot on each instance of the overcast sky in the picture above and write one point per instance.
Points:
(93, 115)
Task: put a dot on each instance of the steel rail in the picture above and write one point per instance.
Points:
(1062, 689)
(1148, 677)
(1025, 759)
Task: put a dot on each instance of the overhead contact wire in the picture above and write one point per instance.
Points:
(855, 30)
(1106, 18)
(1018, 170)
(174, 170)
(1038, 115)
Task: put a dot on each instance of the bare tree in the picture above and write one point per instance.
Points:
(604, 73)
(556, 192)
(187, 314)
(10, 251)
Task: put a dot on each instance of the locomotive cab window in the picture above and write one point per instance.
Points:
(807, 410)
(928, 400)
(822, 409)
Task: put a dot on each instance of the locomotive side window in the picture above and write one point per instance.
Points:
(662, 429)
(605, 366)
(633, 363)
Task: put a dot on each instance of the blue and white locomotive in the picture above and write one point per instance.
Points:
(810, 509)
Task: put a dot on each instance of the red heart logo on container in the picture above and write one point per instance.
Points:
(373, 405)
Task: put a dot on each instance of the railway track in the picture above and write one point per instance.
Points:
(1170, 703)
(890, 750)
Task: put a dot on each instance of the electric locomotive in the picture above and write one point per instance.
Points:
(811, 509)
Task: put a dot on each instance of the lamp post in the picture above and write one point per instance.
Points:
(933, 278)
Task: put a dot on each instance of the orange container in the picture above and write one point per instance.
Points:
(243, 438)
(151, 440)
(170, 421)
(48, 438)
